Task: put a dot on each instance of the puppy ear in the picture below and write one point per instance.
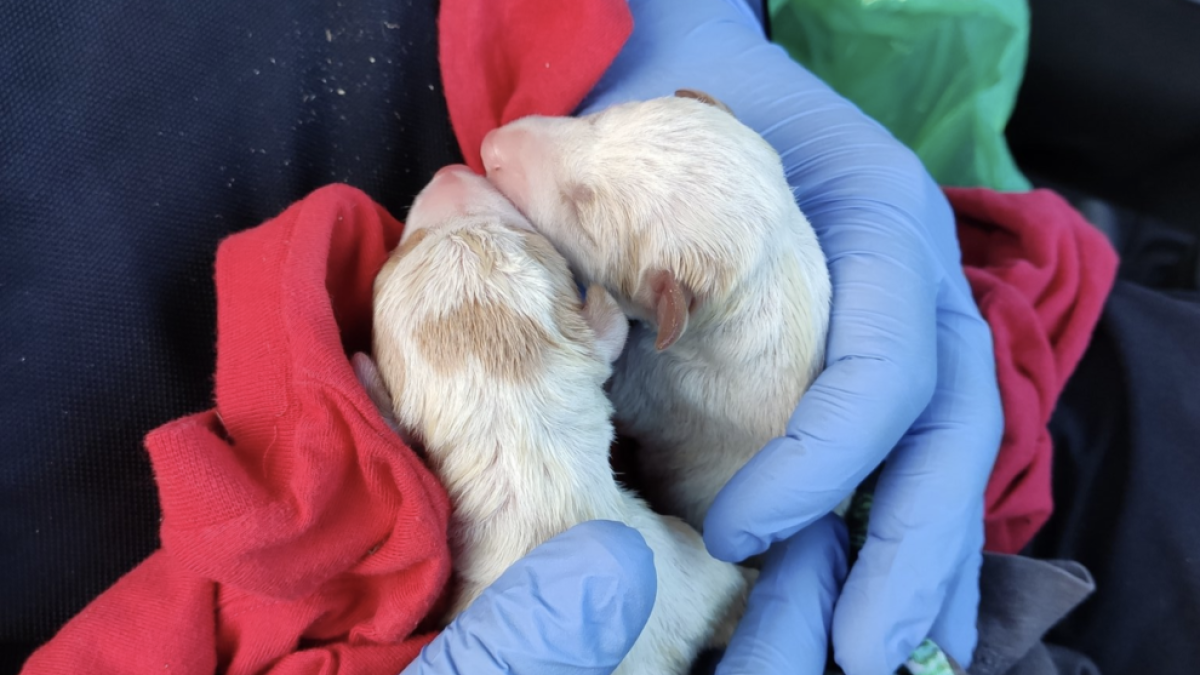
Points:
(607, 321)
(703, 98)
(670, 302)
(577, 196)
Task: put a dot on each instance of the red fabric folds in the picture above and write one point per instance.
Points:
(299, 535)
(504, 60)
(1040, 274)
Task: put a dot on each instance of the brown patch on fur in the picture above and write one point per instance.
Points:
(476, 241)
(509, 345)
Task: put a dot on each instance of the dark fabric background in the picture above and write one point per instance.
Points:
(1127, 469)
(1109, 114)
(1110, 108)
(133, 137)
(1111, 102)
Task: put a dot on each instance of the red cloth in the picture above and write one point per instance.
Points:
(1040, 274)
(503, 60)
(299, 535)
(290, 512)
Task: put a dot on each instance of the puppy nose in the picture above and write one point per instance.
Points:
(490, 151)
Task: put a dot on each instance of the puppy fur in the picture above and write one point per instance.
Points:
(685, 215)
(497, 369)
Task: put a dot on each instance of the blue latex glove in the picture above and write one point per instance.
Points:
(573, 606)
(786, 625)
(910, 373)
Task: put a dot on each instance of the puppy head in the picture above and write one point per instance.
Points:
(667, 203)
(474, 300)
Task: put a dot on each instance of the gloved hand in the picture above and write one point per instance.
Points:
(910, 374)
(573, 606)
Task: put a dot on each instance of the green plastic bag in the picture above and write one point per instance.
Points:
(941, 75)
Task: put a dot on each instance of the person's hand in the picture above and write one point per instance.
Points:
(572, 606)
(786, 625)
(910, 375)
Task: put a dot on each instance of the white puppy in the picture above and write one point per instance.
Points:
(685, 215)
(497, 369)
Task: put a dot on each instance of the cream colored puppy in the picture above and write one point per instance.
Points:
(685, 215)
(497, 369)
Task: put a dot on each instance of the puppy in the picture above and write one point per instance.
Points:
(684, 214)
(497, 369)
